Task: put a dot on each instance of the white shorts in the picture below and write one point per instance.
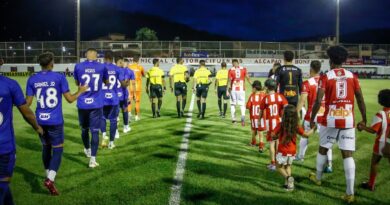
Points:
(344, 137)
(284, 160)
(237, 97)
(306, 126)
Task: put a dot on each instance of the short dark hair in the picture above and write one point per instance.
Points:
(223, 64)
(45, 59)
(315, 66)
(109, 55)
(234, 61)
(277, 64)
(91, 49)
(202, 62)
(337, 54)
(136, 58)
(288, 56)
(384, 97)
(270, 84)
(125, 59)
(118, 58)
(178, 60)
(257, 85)
(155, 61)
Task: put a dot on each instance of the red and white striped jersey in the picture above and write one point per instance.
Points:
(310, 88)
(381, 125)
(339, 86)
(253, 104)
(273, 105)
(237, 76)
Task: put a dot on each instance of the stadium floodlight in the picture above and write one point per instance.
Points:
(28, 47)
(338, 22)
(63, 49)
(78, 30)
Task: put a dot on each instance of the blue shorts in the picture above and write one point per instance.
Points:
(90, 118)
(7, 164)
(110, 112)
(123, 104)
(53, 135)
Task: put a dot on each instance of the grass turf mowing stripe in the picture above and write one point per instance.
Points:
(181, 161)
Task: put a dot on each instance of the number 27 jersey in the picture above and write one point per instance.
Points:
(339, 86)
(48, 87)
(92, 73)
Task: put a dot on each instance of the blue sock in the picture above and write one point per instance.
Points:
(103, 125)
(125, 118)
(46, 155)
(56, 159)
(113, 127)
(94, 142)
(85, 137)
(5, 194)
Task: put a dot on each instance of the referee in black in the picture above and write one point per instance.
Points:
(289, 79)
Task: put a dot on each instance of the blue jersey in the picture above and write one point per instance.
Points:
(94, 74)
(128, 75)
(10, 94)
(111, 90)
(48, 87)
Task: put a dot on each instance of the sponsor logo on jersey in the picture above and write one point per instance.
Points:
(108, 95)
(44, 116)
(120, 94)
(88, 100)
(341, 112)
(290, 93)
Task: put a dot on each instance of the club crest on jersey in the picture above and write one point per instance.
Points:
(108, 95)
(88, 100)
(339, 73)
(341, 112)
(44, 116)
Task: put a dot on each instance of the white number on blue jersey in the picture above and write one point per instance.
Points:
(51, 100)
(87, 79)
(112, 80)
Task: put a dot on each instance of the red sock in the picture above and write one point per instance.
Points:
(253, 141)
(372, 180)
(261, 145)
(272, 162)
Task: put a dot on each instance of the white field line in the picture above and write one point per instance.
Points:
(174, 199)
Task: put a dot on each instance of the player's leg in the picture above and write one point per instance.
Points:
(94, 124)
(241, 103)
(261, 141)
(113, 116)
(272, 150)
(103, 126)
(7, 164)
(46, 149)
(56, 136)
(370, 185)
(219, 95)
(178, 106)
(125, 115)
(138, 105)
(233, 103)
(225, 100)
(159, 101)
(84, 124)
(303, 142)
(198, 98)
(347, 147)
(204, 98)
(184, 99)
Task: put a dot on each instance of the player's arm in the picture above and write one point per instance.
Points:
(248, 79)
(29, 117)
(300, 81)
(147, 85)
(171, 82)
(29, 100)
(362, 126)
(316, 106)
(361, 104)
(163, 82)
(194, 83)
(70, 98)
(301, 101)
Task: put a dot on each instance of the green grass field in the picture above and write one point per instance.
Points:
(221, 168)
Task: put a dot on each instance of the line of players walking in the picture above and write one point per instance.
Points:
(103, 92)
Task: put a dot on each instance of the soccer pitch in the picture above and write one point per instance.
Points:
(220, 169)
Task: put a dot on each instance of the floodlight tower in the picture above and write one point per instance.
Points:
(78, 30)
(338, 22)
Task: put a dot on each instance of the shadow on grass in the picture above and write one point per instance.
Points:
(35, 181)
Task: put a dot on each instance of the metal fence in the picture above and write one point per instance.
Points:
(64, 51)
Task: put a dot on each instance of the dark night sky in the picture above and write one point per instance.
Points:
(266, 20)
